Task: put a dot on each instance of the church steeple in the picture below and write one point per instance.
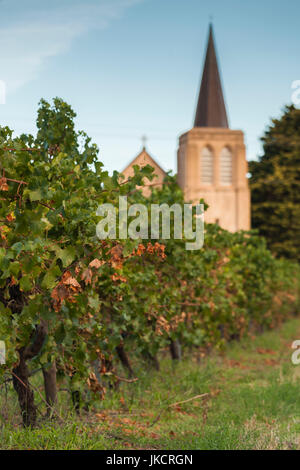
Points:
(211, 158)
(211, 110)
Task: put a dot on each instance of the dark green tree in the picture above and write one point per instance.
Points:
(275, 186)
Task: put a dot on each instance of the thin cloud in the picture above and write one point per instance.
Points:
(31, 33)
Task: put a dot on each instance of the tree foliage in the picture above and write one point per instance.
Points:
(275, 186)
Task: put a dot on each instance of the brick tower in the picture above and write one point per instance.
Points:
(212, 158)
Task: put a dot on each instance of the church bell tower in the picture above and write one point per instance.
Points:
(211, 158)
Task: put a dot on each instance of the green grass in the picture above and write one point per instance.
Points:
(253, 402)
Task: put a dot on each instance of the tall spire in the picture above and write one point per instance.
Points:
(211, 110)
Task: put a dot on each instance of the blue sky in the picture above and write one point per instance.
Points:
(133, 67)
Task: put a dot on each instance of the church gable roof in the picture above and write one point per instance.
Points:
(143, 159)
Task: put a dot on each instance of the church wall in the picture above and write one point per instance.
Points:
(229, 204)
(141, 160)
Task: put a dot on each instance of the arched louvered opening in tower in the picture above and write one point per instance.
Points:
(207, 166)
(226, 167)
